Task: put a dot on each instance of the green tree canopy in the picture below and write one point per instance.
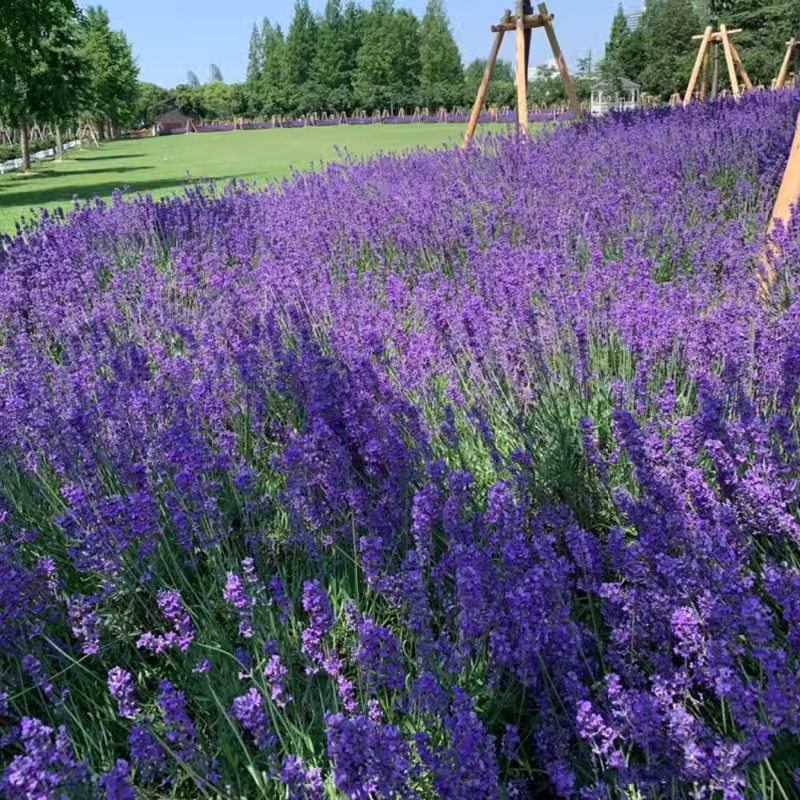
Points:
(111, 70)
(332, 68)
(301, 44)
(441, 70)
(34, 45)
(667, 30)
(254, 57)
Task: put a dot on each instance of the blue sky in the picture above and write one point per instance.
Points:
(170, 37)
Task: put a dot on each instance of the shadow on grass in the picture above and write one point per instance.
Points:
(32, 200)
(86, 155)
(36, 175)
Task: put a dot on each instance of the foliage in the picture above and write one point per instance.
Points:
(35, 44)
(215, 74)
(111, 71)
(335, 59)
(388, 62)
(441, 70)
(301, 44)
(151, 100)
(254, 56)
(658, 54)
(766, 27)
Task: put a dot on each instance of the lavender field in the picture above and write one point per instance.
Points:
(447, 475)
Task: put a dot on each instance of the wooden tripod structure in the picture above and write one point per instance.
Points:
(523, 22)
(732, 58)
(791, 45)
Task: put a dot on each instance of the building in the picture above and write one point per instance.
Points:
(634, 15)
(174, 122)
(619, 95)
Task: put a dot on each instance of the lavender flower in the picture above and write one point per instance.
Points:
(248, 710)
(85, 623)
(302, 783)
(275, 673)
(123, 690)
(46, 768)
(317, 605)
(116, 782)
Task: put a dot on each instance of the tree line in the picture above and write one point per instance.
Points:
(63, 68)
(659, 52)
(349, 58)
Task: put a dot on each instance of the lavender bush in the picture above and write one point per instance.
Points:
(442, 476)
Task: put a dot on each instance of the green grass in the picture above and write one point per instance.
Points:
(161, 166)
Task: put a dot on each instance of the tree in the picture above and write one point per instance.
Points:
(301, 45)
(254, 57)
(60, 87)
(766, 25)
(501, 91)
(331, 71)
(272, 92)
(192, 79)
(215, 74)
(111, 72)
(151, 100)
(406, 78)
(441, 70)
(667, 27)
(546, 87)
(374, 71)
(217, 100)
(584, 76)
(29, 31)
(610, 67)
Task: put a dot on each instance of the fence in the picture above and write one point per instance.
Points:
(40, 155)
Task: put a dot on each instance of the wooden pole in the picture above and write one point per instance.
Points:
(704, 79)
(480, 99)
(698, 64)
(715, 79)
(789, 193)
(566, 78)
(522, 78)
(788, 196)
(740, 66)
(787, 59)
(726, 46)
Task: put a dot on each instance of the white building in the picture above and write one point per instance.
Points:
(634, 15)
(621, 95)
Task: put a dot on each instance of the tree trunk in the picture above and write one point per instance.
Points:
(24, 145)
(715, 82)
(59, 144)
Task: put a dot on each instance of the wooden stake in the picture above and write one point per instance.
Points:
(566, 79)
(740, 66)
(698, 64)
(788, 196)
(715, 79)
(789, 193)
(787, 59)
(726, 46)
(522, 78)
(477, 108)
(704, 79)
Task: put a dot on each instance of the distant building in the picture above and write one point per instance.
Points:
(634, 15)
(174, 122)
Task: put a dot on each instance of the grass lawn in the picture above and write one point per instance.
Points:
(161, 166)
